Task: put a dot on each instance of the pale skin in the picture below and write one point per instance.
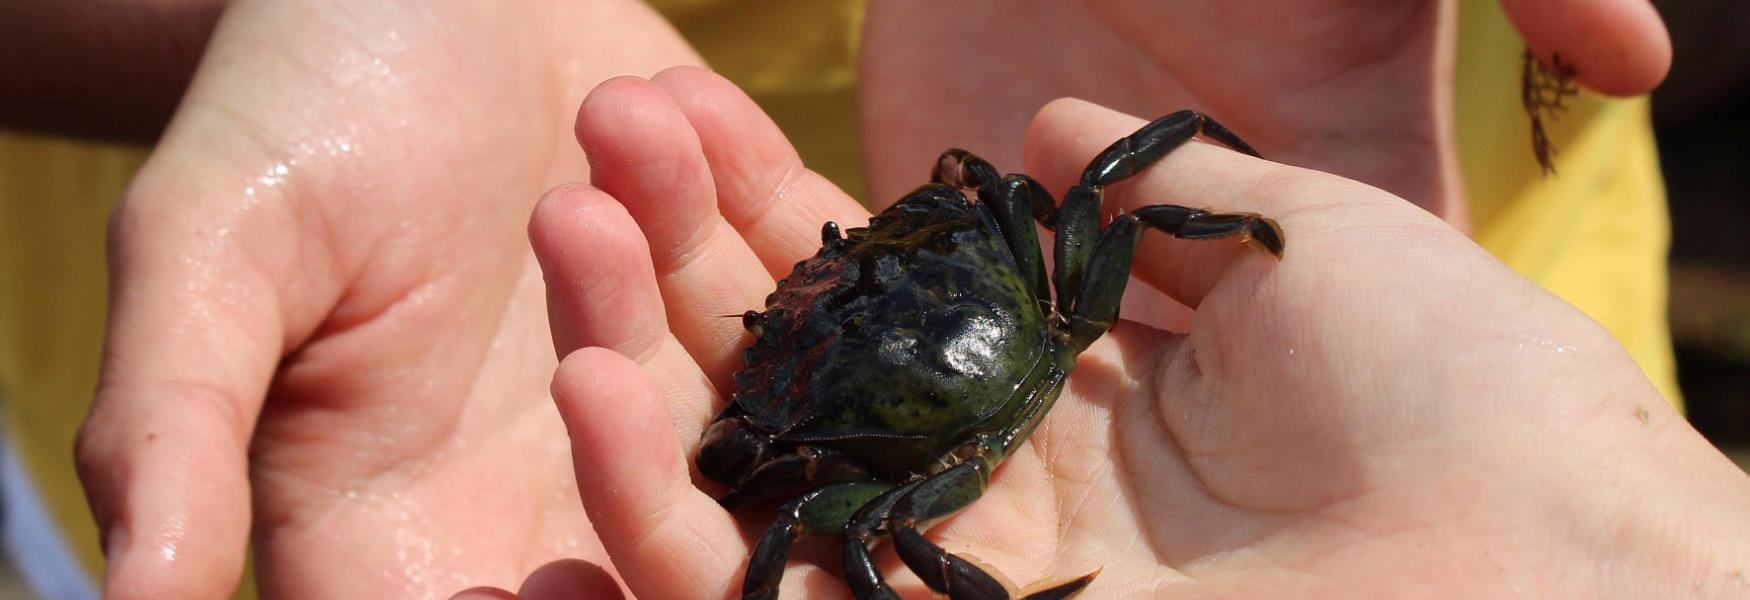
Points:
(1369, 97)
(326, 322)
(352, 357)
(1387, 411)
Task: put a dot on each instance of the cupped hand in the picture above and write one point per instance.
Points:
(1386, 411)
(327, 326)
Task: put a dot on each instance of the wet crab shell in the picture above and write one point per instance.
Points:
(890, 344)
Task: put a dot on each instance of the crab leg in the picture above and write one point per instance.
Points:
(1093, 266)
(1095, 306)
(1135, 152)
(903, 510)
(1014, 202)
(824, 510)
(860, 533)
(961, 480)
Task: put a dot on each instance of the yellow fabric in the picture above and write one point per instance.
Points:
(798, 59)
(1596, 234)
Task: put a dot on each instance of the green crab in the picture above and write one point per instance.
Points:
(893, 371)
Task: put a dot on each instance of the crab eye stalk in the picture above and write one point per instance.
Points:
(830, 235)
(754, 322)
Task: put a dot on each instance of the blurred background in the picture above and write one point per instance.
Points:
(1702, 120)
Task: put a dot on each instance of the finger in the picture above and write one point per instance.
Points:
(1067, 134)
(570, 579)
(602, 291)
(666, 538)
(763, 189)
(1616, 47)
(643, 153)
(484, 593)
(194, 337)
(600, 285)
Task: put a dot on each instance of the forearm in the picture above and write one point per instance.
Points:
(109, 69)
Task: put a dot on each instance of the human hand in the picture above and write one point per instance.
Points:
(1386, 411)
(326, 322)
(1359, 89)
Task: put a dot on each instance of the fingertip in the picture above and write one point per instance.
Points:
(601, 286)
(642, 150)
(708, 98)
(605, 96)
(618, 119)
(1615, 47)
(570, 579)
(689, 73)
(756, 172)
(552, 211)
(484, 593)
(170, 498)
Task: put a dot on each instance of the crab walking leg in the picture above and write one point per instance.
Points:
(1096, 302)
(962, 169)
(1135, 152)
(825, 510)
(1078, 219)
(860, 534)
(1015, 202)
(963, 479)
(1181, 222)
(943, 494)
(969, 582)
(877, 518)
(1078, 228)
(1095, 305)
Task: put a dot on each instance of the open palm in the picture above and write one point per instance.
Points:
(1385, 411)
(328, 327)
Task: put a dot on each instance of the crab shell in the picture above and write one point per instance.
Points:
(896, 343)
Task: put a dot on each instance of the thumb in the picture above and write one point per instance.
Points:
(194, 338)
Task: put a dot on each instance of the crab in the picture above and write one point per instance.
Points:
(891, 373)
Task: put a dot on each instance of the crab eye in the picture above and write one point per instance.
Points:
(830, 234)
(751, 321)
